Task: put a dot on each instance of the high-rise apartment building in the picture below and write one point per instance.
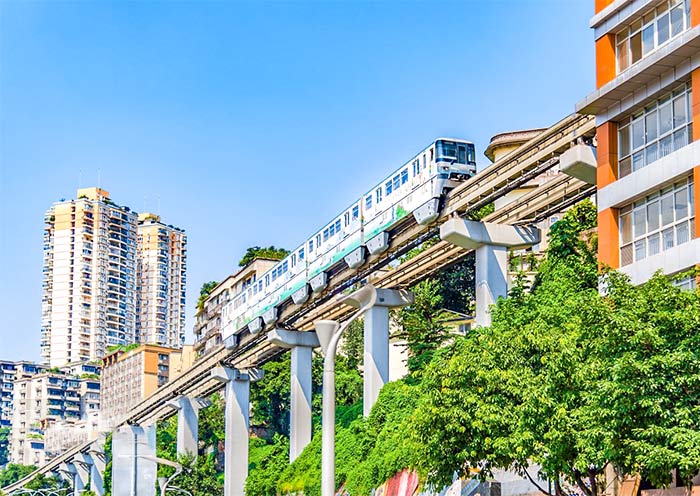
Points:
(160, 283)
(89, 278)
(10, 372)
(647, 108)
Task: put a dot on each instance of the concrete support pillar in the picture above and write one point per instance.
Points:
(237, 412)
(302, 345)
(491, 242)
(188, 423)
(97, 470)
(83, 467)
(69, 473)
(134, 466)
(376, 338)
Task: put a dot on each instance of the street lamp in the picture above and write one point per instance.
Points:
(329, 332)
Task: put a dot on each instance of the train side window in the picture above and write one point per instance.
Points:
(356, 211)
(404, 176)
(424, 160)
(368, 202)
(431, 155)
(379, 195)
(311, 246)
(337, 226)
(294, 259)
(461, 154)
(397, 182)
(347, 218)
(318, 241)
(267, 280)
(389, 187)
(301, 254)
(326, 233)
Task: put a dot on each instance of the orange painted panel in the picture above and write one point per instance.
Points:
(608, 238)
(601, 4)
(696, 195)
(694, 12)
(607, 154)
(695, 102)
(605, 63)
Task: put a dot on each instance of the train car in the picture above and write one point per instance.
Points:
(418, 188)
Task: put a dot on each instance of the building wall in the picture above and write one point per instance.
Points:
(647, 108)
(161, 280)
(88, 298)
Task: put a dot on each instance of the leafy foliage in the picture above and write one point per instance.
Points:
(4, 445)
(204, 293)
(14, 472)
(254, 252)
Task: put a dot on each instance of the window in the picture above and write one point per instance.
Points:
(294, 259)
(355, 212)
(397, 182)
(404, 176)
(379, 195)
(389, 187)
(368, 202)
(346, 217)
(318, 240)
(654, 132)
(311, 246)
(326, 234)
(337, 226)
(301, 254)
(424, 160)
(416, 166)
(650, 31)
(658, 222)
(687, 283)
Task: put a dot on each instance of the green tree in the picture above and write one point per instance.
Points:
(352, 346)
(254, 252)
(4, 445)
(204, 293)
(14, 472)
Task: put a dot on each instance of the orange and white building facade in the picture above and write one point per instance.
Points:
(89, 278)
(160, 284)
(647, 108)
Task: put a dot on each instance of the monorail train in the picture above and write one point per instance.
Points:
(418, 187)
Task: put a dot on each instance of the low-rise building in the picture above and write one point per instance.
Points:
(207, 326)
(131, 375)
(9, 372)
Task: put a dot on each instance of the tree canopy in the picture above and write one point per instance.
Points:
(254, 252)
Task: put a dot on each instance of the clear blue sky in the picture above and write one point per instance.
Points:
(253, 123)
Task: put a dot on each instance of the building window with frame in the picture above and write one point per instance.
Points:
(657, 223)
(655, 131)
(649, 32)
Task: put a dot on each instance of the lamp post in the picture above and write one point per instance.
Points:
(329, 332)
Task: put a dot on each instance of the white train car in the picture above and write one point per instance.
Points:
(418, 188)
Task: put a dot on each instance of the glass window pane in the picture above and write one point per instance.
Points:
(636, 46)
(676, 20)
(637, 161)
(662, 29)
(666, 210)
(648, 39)
(654, 244)
(623, 55)
(640, 225)
(665, 118)
(653, 216)
(640, 249)
(681, 204)
(637, 133)
(651, 153)
(680, 108)
(636, 25)
(680, 138)
(651, 126)
(668, 238)
(665, 146)
(626, 228)
(624, 141)
(682, 234)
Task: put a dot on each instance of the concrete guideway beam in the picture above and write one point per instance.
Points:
(376, 341)
(134, 467)
(83, 467)
(491, 243)
(99, 461)
(237, 421)
(302, 345)
(69, 472)
(188, 423)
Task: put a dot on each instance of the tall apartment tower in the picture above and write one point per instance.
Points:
(89, 280)
(160, 282)
(647, 109)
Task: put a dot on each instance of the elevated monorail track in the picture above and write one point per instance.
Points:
(511, 172)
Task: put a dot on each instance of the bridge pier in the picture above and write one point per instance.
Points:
(491, 243)
(237, 421)
(83, 467)
(188, 423)
(69, 472)
(97, 469)
(302, 345)
(376, 341)
(134, 466)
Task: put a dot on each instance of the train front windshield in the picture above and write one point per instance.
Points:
(460, 153)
